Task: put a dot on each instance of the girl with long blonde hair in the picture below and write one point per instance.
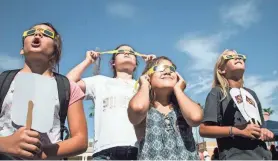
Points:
(233, 113)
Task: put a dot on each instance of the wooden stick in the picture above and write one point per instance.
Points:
(29, 115)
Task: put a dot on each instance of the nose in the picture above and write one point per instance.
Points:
(38, 34)
(238, 58)
(167, 71)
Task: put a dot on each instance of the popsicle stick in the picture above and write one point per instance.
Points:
(29, 115)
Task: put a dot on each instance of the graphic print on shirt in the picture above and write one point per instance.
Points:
(239, 99)
(246, 105)
(115, 102)
(250, 101)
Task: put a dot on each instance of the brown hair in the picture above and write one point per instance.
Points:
(56, 55)
(149, 65)
(96, 69)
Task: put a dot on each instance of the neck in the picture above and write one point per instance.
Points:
(37, 68)
(162, 98)
(235, 80)
(124, 75)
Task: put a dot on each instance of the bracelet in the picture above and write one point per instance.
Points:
(231, 132)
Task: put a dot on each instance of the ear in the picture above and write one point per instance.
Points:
(222, 71)
(21, 51)
(112, 62)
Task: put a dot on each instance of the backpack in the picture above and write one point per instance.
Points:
(225, 102)
(63, 85)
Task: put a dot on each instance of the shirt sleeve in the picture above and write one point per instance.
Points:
(91, 83)
(76, 93)
(211, 105)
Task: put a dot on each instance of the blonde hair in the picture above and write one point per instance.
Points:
(219, 79)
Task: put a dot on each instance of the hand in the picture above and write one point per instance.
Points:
(252, 131)
(144, 80)
(23, 143)
(92, 56)
(148, 57)
(266, 135)
(181, 84)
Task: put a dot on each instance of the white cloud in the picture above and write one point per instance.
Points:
(203, 52)
(266, 90)
(8, 62)
(243, 13)
(201, 84)
(122, 10)
(203, 49)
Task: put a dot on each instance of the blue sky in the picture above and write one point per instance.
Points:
(191, 33)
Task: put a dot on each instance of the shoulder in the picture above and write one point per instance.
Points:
(215, 91)
(249, 90)
(252, 92)
(95, 79)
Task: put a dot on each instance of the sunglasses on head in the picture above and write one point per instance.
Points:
(234, 56)
(45, 32)
(122, 52)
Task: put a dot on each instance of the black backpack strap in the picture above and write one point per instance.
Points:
(6, 78)
(63, 85)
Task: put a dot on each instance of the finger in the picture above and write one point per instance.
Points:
(179, 75)
(180, 78)
(256, 125)
(30, 148)
(26, 154)
(97, 54)
(269, 135)
(32, 133)
(257, 129)
(33, 141)
(256, 134)
(144, 56)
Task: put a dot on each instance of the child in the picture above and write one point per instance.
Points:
(163, 115)
(41, 49)
(114, 135)
(233, 113)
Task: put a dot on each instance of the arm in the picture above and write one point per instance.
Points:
(78, 142)
(252, 131)
(214, 131)
(191, 111)
(75, 73)
(139, 104)
(210, 127)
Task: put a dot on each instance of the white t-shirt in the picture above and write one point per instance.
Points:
(111, 97)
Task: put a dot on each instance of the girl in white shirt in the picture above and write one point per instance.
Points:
(114, 135)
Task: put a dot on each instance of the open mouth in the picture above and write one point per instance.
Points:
(36, 42)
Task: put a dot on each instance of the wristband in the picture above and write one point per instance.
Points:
(231, 132)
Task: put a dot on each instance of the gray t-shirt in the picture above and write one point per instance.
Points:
(224, 112)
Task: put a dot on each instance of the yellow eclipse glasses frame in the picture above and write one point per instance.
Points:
(234, 56)
(156, 68)
(45, 32)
